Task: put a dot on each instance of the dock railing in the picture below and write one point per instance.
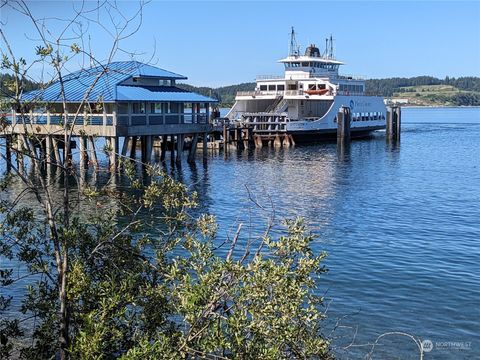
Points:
(105, 119)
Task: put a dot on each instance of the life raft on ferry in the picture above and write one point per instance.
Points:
(317, 92)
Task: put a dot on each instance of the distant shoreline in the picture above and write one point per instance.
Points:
(439, 106)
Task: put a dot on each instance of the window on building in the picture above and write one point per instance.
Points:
(138, 108)
(263, 87)
(280, 87)
(122, 108)
(173, 108)
(292, 86)
(271, 87)
(156, 108)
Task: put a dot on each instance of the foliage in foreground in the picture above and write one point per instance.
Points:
(144, 281)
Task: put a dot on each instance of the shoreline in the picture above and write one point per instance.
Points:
(440, 106)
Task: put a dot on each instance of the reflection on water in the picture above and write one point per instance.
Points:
(400, 223)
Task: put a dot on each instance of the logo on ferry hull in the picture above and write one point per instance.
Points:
(352, 104)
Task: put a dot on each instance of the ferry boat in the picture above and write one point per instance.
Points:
(304, 102)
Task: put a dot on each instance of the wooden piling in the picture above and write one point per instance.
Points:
(394, 123)
(180, 139)
(245, 137)
(43, 150)
(19, 152)
(286, 141)
(49, 157)
(225, 136)
(163, 147)
(56, 151)
(8, 150)
(142, 149)
(113, 156)
(172, 153)
(83, 152)
(193, 149)
(389, 124)
(148, 148)
(343, 124)
(133, 148)
(397, 122)
(258, 141)
(277, 142)
(205, 146)
(92, 152)
(239, 138)
(126, 143)
(292, 141)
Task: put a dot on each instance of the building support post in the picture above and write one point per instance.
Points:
(8, 151)
(180, 139)
(148, 148)
(163, 147)
(19, 153)
(113, 153)
(133, 148)
(92, 151)
(126, 142)
(172, 152)
(193, 149)
(205, 146)
(49, 157)
(143, 151)
(83, 152)
(56, 151)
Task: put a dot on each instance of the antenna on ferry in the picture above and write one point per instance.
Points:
(326, 48)
(294, 49)
(331, 47)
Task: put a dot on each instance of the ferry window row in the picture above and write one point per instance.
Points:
(311, 65)
(351, 88)
(368, 116)
(272, 87)
(316, 86)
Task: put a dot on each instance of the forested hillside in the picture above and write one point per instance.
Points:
(7, 85)
(422, 90)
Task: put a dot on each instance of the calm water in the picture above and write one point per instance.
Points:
(400, 224)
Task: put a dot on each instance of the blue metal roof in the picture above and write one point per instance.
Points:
(106, 79)
(159, 93)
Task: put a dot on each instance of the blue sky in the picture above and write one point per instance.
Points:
(229, 42)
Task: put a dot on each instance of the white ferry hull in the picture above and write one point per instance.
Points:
(368, 114)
